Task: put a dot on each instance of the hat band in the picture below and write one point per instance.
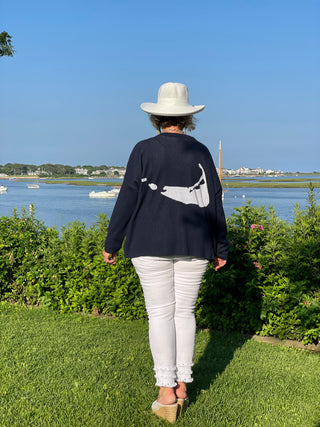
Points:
(173, 102)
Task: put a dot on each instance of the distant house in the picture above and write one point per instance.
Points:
(117, 171)
(243, 171)
(257, 171)
(228, 171)
(81, 171)
(38, 172)
(248, 171)
(273, 172)
(99, 172)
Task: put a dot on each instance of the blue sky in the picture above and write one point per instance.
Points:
(72, 92)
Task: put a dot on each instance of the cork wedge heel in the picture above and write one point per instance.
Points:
(169, 412)
(182, 405)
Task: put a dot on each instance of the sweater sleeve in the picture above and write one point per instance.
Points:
(222, 243)
(220, 226)
(125, 205)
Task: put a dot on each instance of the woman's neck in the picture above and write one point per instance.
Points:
(172, 129)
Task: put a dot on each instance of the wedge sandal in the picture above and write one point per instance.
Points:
(182, 405)
(169, 412)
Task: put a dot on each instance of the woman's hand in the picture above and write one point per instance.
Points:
(218, 263)
(109, 258)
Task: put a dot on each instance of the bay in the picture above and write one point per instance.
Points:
(55, 204)
(60, 204)
(283, 200)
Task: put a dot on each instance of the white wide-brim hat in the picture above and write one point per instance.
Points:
(173, 100)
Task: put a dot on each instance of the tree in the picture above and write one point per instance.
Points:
(6, 48)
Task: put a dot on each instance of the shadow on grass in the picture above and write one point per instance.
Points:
(228, 300)
(216, 357)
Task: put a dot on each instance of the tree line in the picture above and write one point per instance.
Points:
(48, 169)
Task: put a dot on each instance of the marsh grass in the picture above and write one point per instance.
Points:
(229, 183)
(269, 184)
(75, 370)
(85, 183)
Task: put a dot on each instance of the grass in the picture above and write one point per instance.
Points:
(296, 183)
(74, 370)
(269, 184)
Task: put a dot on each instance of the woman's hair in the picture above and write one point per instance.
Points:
(183, 122)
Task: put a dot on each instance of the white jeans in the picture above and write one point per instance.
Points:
(170, 287)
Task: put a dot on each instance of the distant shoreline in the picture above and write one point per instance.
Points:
(268, 184)
(230, 183)
(84, 183)
(249, 181)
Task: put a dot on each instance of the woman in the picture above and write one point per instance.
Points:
(170, 211)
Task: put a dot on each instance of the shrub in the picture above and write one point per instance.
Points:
(23, 240)
(270, 285)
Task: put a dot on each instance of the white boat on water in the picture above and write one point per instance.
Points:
(110, 194)
(35, 185)
(3, 189)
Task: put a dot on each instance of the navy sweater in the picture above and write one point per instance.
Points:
(170, 202)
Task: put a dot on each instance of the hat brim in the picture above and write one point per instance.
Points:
(171, 110)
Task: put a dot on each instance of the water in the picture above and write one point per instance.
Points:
(283, 200)
(60, 204)
(55, 204)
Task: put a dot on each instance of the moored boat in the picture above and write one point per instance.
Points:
(35, 185)
(110, 194)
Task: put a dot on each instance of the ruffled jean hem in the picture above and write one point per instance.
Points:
(184, 373)
(166, 377)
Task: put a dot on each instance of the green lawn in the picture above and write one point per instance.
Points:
(73, 370)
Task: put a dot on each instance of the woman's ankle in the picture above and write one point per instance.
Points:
(166, 396)
(181, 390)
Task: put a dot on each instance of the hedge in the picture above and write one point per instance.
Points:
(270, 285)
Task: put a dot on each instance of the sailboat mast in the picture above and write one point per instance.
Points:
(220, 160)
